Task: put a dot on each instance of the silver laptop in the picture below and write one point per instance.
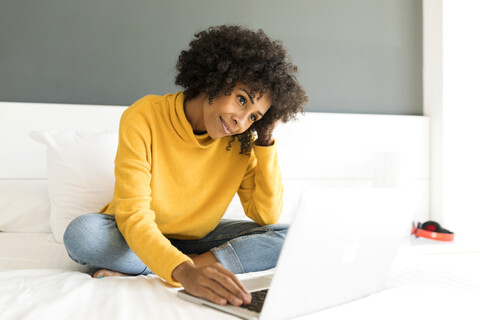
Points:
(339, 248)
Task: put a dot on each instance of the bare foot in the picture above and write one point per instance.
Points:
(102, 273)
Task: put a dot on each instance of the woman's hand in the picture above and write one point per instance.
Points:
(265, 134)
(212, 282)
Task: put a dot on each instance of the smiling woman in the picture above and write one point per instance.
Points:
(180, 160)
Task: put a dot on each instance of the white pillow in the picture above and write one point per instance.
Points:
(24, 206)
(80, 172)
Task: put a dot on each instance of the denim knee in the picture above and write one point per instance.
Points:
(76, 238)
(278, 231)
(256, 251)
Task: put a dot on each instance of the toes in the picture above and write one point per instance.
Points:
(107, 273)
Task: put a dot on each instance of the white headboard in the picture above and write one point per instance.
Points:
(334, 146)
(23, 158)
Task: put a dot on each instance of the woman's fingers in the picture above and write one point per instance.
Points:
(212, 296)
(214, 283)
(229, 286)
(237, 284)
(222, 291)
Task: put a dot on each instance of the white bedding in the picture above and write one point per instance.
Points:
(39, 281)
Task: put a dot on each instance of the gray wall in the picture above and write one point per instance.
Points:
(354, 56)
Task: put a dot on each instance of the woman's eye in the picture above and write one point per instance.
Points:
(253, 117)
(242, 100)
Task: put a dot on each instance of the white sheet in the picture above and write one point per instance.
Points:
(434, 282)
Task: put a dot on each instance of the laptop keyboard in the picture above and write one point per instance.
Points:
(258, 298)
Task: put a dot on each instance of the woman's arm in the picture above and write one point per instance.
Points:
(261, 191)
(132, 195)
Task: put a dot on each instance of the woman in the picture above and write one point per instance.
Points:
(180, 160)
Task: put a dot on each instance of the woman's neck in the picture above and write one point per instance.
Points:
(194, 112)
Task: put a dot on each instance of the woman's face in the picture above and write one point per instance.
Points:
(233, 114)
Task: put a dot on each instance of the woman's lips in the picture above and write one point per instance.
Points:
(225, 126)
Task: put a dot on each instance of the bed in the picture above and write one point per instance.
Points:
(52, 155)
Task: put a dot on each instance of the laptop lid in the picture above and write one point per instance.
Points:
(340, 247)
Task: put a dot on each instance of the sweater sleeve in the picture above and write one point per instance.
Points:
(132, 198)
(261, 191)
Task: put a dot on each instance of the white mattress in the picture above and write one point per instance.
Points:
(38, 281)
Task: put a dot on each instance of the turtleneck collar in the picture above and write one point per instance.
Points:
(184, 128)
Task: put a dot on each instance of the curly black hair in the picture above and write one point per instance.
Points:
(221, 57)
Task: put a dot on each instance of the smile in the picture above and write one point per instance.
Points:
(225, 127)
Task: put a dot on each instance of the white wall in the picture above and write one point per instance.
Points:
(452, 100)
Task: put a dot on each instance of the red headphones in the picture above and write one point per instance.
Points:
(432, 230)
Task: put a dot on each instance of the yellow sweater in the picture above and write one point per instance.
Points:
(172, 183)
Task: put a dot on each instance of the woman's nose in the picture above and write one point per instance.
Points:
(241, 121)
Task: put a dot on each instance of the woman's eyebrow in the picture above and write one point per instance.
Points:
(248, 94)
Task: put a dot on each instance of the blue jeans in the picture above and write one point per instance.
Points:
(240, 246)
